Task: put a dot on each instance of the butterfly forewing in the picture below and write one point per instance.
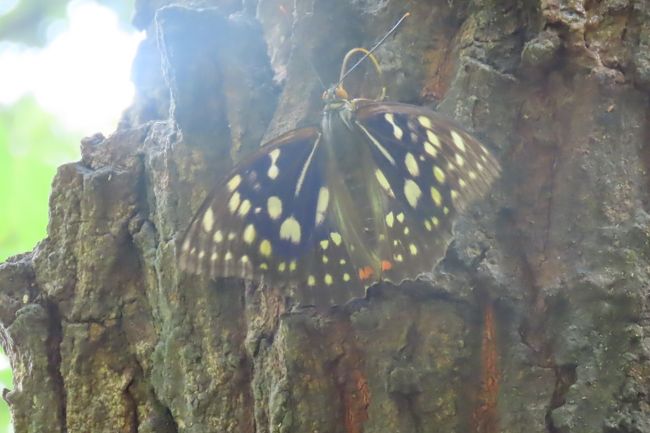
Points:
(429, 170)
(270, 221)
(260, 216)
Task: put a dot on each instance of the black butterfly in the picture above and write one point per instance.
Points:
(368, 196)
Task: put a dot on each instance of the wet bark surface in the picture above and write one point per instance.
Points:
(535, 321)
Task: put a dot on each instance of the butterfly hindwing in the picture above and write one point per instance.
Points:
(429, 169)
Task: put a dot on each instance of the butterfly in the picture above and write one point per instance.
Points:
(327, 211)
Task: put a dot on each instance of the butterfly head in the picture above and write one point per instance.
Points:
(336, 98)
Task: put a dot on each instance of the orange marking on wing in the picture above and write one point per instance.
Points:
(386, 265)
(366, 272)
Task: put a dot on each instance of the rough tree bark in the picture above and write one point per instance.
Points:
(535, 321)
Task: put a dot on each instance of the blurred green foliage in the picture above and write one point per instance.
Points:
(32, 146)
(6, 381)
(33, 21)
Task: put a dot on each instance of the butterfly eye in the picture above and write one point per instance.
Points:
(341, 93)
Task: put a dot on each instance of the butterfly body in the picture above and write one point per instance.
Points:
(368, 196)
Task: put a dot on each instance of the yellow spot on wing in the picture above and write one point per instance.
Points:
(328, 279)
(390, 219)
(439, 174)
(384, 182)
(249, 234)
(265, 248)
(336, 238)
(274, 207)
(412, 192)
(433, 138)
(233, 203)
(346, 277)
(411, 165)
(290, 230)
(324, 244)
(400, 217)
(413, 249)
(428, 148)
(311, 281)
(424, 121)
(244, 208)
(273, 172)
(458, 140)
(435, 195)
(208, 220)
(218, 236)
(234, 182)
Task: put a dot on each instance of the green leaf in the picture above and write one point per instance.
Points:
(32, 146)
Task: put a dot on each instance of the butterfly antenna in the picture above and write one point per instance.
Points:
(369, 52)
(320, 80)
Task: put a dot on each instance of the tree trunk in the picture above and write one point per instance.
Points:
(534, 321)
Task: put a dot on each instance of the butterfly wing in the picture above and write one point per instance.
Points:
(429, 169)
(269, 221)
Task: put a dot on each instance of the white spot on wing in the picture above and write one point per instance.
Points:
(397, 131)
(321, 205)
(273, 169)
